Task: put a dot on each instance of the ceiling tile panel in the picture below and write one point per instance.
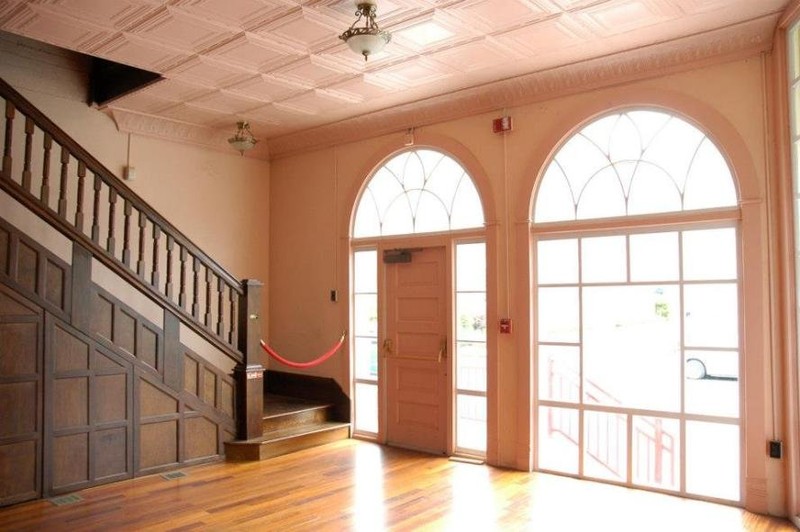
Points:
(387, 12)
(365, 87)
(544, 36)
(43, 25)
(117, 15)
(143, 102)
(311, 72)
(275, 114)
(196, 115)
(498, 15)
(303, 30)
(225, 102)
(483, 53)
(253, 53)
(236, 14)
(314, 102)
(622, 16)
(175, 91)
(415, 73)
(135, 51)
(430, 30)
(206, 72)
(175, 29)
(265, 88)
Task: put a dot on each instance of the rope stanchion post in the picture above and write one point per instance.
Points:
(250, 373)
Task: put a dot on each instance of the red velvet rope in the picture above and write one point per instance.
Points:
(317, 361)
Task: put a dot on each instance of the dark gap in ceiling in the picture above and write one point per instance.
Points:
(109, 80)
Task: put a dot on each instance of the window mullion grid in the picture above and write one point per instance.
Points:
(682, 333)
(581, 406)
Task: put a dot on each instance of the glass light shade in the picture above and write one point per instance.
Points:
(368, 44)
(241, 144)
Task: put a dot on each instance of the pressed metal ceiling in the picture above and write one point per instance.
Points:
(279, 63)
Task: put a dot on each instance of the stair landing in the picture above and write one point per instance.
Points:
(290, 424)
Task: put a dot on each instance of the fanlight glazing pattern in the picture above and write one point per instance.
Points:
(418, 191)
(634, 162)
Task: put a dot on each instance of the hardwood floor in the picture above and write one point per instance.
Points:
(357, 485)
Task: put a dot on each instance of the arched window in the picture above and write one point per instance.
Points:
(637, 317)
(418, 191)
(634, 162)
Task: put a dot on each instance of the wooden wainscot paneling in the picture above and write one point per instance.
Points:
(88, 412)
(20, 398)
(159, 416)
(121, 328)
(34, 271)
(207, 383)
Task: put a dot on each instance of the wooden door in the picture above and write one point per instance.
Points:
(20, 399)
(415, 349)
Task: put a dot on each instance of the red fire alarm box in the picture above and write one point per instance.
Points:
(502, 124)
(505, 326)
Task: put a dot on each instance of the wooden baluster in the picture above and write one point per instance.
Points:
(182, 295)
(111, 241)
(44, 195)
(207, 319)
(10, 111)
(195, 289)
(220, 310)
(169, 286)
(140, 260)
(81, 183)
(62, 191)
(26, 171)
(126, 237)
(98, 184)
(232, 331)
(154, 278)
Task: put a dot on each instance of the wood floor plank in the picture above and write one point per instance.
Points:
(356, 485)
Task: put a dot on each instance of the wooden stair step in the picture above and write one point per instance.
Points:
(287, 440)
(285, 412)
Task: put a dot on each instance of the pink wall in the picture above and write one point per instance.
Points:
(312, 197)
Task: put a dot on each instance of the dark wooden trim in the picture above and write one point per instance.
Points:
(81, 287)
(173, 353)
(322, 389)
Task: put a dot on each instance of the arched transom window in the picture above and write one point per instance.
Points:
(418, 191)
(634, 162)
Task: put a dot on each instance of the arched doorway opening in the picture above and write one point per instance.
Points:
(419, 305)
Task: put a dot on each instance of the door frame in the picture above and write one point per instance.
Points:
(412, 242)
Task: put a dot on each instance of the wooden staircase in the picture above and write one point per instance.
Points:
(290, 424)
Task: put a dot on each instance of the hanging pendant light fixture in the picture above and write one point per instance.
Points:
(368, 39)
(243, 139)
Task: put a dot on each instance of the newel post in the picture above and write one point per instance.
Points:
(249, 373)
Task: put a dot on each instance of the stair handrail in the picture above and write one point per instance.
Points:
(232, 343)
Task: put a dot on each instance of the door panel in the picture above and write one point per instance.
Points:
(20, 399)
(415, 351)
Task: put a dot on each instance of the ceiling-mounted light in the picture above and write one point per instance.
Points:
(367, 39)
(243, 140)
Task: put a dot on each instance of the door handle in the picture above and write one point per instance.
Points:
(442, 349)
(387, 347)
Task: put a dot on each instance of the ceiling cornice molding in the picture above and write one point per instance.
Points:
(176, 131)
(718, 46)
